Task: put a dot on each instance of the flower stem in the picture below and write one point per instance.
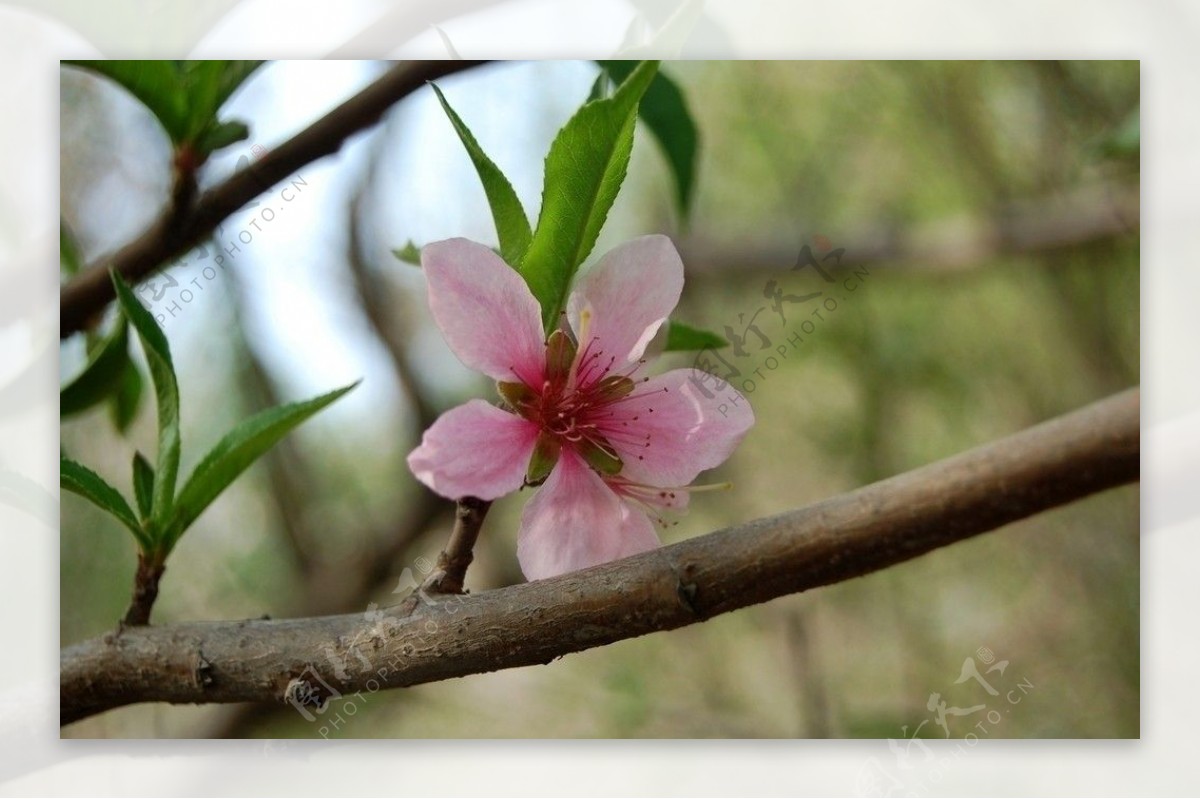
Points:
(452, 564)
(150, 570)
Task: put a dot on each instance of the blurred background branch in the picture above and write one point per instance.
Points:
(1092, 215)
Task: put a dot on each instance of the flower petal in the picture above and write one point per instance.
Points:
(576, 521)
(677, 425)
(630, 292)
(485, 311)
(474, 450)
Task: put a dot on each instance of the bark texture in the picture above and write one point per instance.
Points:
(436, 637)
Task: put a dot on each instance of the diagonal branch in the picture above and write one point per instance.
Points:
(177, 230)
(437, 638)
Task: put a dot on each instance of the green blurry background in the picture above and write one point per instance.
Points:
(990, 211)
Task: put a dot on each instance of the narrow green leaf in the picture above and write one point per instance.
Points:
(156, 84)
(184, 95)
(665, 112)
(123, 405)
(102, 375)
(233, 454)
(233, 75)
(79, 479)
(207, 85)
(686, 337)
(409, 253)
(143, 485)
(512, 226)
(600, 87)
(584, 172)
(166, 394)
(70, 259)
(221, 134)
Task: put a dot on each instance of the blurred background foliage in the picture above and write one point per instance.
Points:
(990, 212)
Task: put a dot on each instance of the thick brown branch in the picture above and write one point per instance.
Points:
(429, 639)
(174, 233)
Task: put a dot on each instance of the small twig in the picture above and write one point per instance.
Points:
(452, 564)
(170, 235)
(149, 572)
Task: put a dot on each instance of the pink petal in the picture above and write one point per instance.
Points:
(675, 426)
(474, 450)
(485, 310)
(576, 521)
(630, 292)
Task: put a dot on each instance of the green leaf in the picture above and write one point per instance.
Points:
(584, 172)
(123, 405)
(207, 85)
(143, 485)
(601, 87)
(222, 134)
(686, 337)
(511, 224)
(665, 112)
(156, 84)
(233, 454)
(79, 479)
(70, 259)
(230, 76)
(409, 253)
(166, 393)
(183, 95)
(102, 375)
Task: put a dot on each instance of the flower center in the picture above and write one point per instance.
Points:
(577, 405)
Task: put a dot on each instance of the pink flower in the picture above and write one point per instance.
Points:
(611, 448)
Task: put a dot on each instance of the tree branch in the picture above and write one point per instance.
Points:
(426, 639)
(1084, 215)
(176, 230)
(149, 573)
(451, 571)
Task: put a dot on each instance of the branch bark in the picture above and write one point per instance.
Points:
(426, 639)
(150, 569)
(451, 571)
(178, 230)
